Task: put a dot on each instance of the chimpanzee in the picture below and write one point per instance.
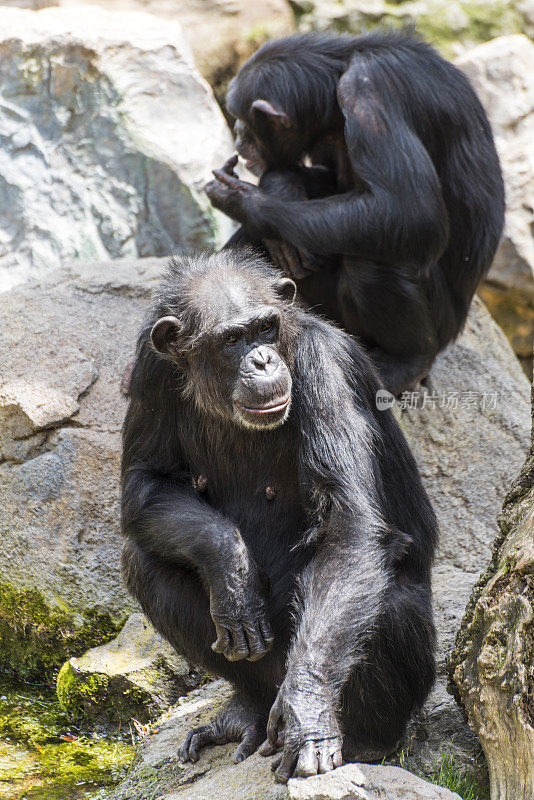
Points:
(381, 191)
(270, 506)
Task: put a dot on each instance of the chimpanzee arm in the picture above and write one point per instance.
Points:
(343, 589)
(401, 211)
(164, 515)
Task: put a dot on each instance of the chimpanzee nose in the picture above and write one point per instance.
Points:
(264, 359)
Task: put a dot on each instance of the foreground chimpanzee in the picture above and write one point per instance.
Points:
(269, 506)
(396, 218)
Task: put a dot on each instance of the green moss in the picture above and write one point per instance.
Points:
(35, 639)
(99, 697)
(44, 757)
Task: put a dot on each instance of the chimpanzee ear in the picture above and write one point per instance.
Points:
(276, 114)
(286, 289)
(164, 334)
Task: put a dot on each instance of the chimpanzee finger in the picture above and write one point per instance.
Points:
(229, 165)
(337, 758)
(326, 757)
(189, 749)
(249, 744)
(267, 749)
(307, 761)
(273, 722)
(239, 646)
(277, 760)
(268, 635)
(286, 768)
(223, 639)
(230, 180)
(256, 645)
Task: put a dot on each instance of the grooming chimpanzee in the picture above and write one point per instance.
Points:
(396, 219)
(269, 506)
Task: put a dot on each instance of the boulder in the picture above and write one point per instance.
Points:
(367, 782)
(501, 72)
(452, 26)
(107, 136)
(468, 428)
(61, 410)
(138, 674)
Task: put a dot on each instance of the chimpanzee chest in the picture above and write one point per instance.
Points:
(258, 489)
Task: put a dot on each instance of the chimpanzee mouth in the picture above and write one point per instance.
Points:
(270, 408)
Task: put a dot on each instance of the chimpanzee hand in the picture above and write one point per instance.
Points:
(311, 736)
(229, 193)
(237, 607)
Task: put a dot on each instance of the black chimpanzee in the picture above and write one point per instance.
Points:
(396, 217)
(269, 505)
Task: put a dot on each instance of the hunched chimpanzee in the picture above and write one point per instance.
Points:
(268, 504)
(381, 190)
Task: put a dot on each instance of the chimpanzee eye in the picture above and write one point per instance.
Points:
(232, 339)
(265, 326)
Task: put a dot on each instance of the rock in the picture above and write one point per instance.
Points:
(222, 33)
(468, 457)
(61, 411)
(452, 26)
(138, 674)
(107, 136)
(501, 72)
(492, 665)
(157, 772)
(367, 782)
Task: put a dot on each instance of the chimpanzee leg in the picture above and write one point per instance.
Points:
(177, 604)
(382, 693)
(388, 307)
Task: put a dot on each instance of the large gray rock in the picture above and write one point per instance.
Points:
(501, 71)
(64, 345)
(469, 431)
(367, 782)
(107, 136)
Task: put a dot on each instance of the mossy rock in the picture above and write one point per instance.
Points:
(36, 638)
(138, 674)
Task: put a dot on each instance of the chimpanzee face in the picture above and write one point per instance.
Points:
(235, 366)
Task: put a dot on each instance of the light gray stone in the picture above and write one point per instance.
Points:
(107, 136)
(367, 782)
(64, 344)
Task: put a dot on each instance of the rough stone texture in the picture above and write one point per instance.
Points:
(107, 136)
(367, 782)
(501, 72)
(158, 773)
(452, 25)
(61, 410)
(468, 457)
(222, 33)
(492, 665)
(138, 674)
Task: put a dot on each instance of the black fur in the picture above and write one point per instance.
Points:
(398, 247)
(337, 565)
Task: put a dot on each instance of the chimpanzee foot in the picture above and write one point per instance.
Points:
(237, 722)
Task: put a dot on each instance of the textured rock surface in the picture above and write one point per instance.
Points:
(468, 457)
(107, 136)
(501, 72)
(452, 26)
(158, 773)
(61, 411)
(492, 665)
(138, 674)
(367, 782)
